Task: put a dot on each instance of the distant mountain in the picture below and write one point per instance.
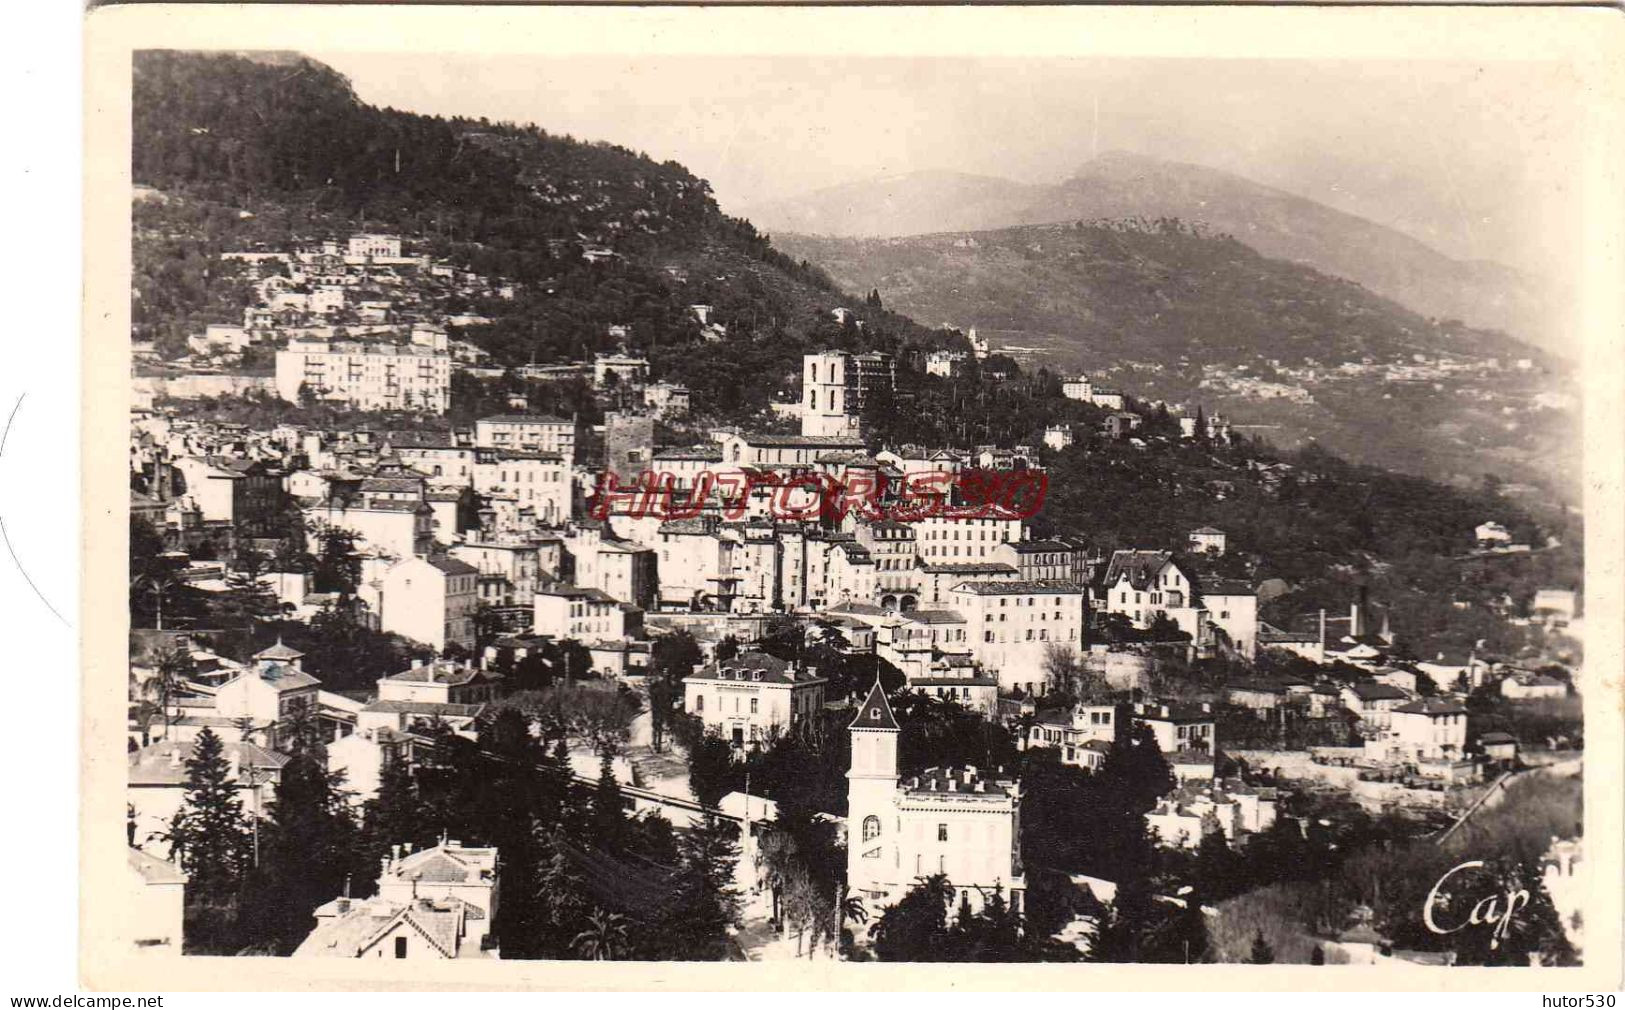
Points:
(915, 203)
(1119, 185)
(1170, 310)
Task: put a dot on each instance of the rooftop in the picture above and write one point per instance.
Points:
(875, 712)
(958, 781)
(1018, 588)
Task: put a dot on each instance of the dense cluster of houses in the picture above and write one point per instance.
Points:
(499, 539)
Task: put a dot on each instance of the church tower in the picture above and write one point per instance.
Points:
(871, 789)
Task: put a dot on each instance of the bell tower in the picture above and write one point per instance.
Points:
(871, 788)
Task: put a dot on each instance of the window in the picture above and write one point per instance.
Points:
(942, 832)
(699, 703)
(871, 828)
(753, 706)
(400, 946)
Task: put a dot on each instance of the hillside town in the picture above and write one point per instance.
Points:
(788, 688)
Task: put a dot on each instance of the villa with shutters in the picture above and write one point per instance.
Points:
(959, 822)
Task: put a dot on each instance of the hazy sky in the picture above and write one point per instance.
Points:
(1472, 159)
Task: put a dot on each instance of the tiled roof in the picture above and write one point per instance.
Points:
(875, 712)
(1225, 587)
(452, 566)
(442, 673)
(957, 782)
(1433, 706)
(1140, 567)
(164, 764)
(934, 616)
(755, 667)
(523, 419)
(391, 485)
(1043, 586)
(1377, 692)
(1038, 546)
(968, 568)
(768, 441)
(278, 651)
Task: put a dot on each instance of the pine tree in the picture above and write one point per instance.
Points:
(209, 834)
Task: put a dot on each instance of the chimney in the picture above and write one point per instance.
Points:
(175, 756)
(343, 905)
(953, 785)
(406, 848)
(1165, 711)
(1323, 627)
(1207, 706)
(394, 854)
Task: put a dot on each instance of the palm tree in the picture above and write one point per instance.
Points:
(173, 666)
(160, 585)
(604, 939)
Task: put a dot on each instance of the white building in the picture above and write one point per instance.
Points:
(1081, 735)
(753, 696)
(370, 376)
(430, 600)
(628, 369)
(154, 913)
(1079, 388)
(1142, 585)
(436, 904)
(1207, 540)
(533, 432)
(944, 363)
(538, 480)
(1058, 436)
(1010, 626)
(380, 246)
(957, 822)
(1427, 729)
(1232, 607)
(584, 614)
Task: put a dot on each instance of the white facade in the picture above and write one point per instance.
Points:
(956, 822)
(430, 601)
(1010, 626)
(368, 376)
(753, 696)
(1079, 388)
(534, 432)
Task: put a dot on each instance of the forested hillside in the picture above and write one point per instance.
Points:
(241, 151)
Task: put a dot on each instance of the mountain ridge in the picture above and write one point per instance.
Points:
(1116, 185)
